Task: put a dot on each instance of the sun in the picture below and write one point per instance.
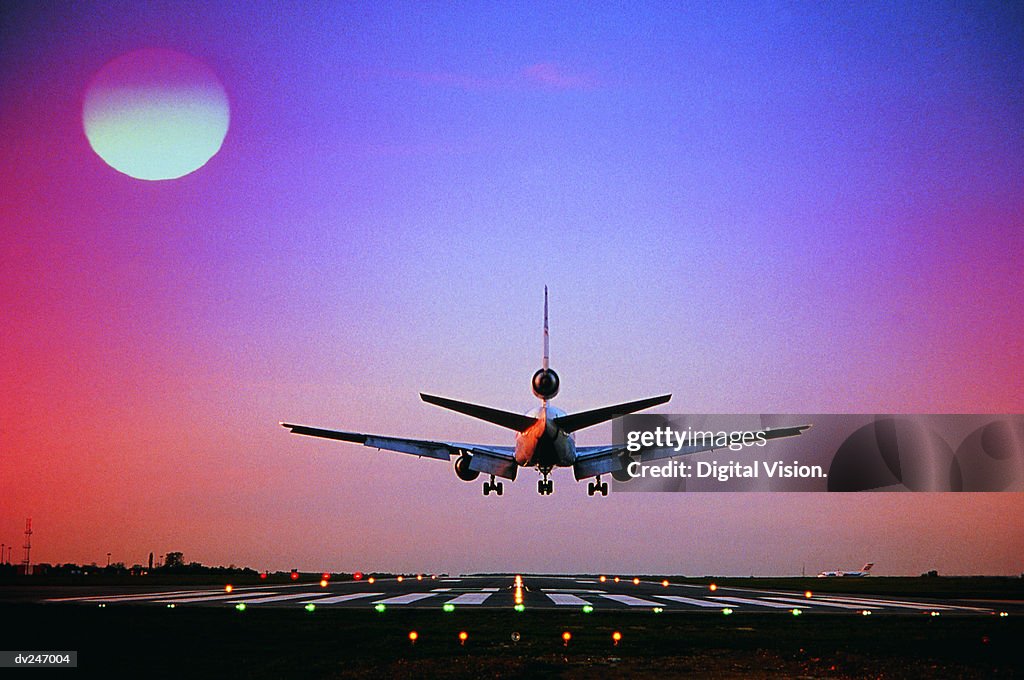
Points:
(155, 114)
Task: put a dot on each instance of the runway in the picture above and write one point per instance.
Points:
(492, 592)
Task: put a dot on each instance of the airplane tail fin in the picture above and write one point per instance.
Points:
(546, 354)
(513, 421)
(867, 567)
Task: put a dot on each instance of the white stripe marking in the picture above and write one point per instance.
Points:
(441, 590)
(470, 598)
(211, 598)
(566, 598)
(689, 600)
(631, 601)
(340, 598)
(923, 606)
(819, 602)
(756, 603)
(128, 598)
(278, 598)
(489, 590)
(405, 599)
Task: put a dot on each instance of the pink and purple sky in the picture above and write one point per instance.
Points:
(774, 208)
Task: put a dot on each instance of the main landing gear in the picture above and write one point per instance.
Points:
(597, 487)
(496, 487)
(545, 487)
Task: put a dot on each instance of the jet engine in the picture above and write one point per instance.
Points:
(545, 383)
(462, 468)
(622, 475)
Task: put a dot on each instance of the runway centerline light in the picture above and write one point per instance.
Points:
(587, 608)
(380, 607)
(401, 578)
(228, 588)
(603, 578)
(616, 637)
(713, 587)
(419, 577)
(463, 636)
(448, 607)
(370, 580)
(566, 636)
(808, 594)
(323, 583)
(170, 606)
(658, 610)
(934, 613)
(616, 579)
(310, 607)
(636, 581)
(866, 612)
(665, 583)
(413, 636)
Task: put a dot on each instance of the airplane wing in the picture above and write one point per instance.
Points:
(600, 460)
(494, 460)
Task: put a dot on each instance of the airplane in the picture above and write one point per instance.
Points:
(544, 438)
(849, 574)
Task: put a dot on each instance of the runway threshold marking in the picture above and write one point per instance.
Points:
(278, 598)
(340, 598)
(566, 599)
(821, 602)
(923, 606)
(470, 598)
(631, 601)
(689, 600)
(405, 599)
(210, 598)
(758, 603)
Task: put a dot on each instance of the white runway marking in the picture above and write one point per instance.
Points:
(583, 581)
(922, 606)
(470, 598)
(128, 598)
(211, 598)
(340, 598)
(689, 600)
(820, 602)
(757, 603)
(570, 590)
(278, 598)
(566, 598)
(405, 599)
(489, 590)
(450, 580)
(632, 601)
(441, 590)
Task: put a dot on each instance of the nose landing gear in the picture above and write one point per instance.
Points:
(597, 487)
(496, 487)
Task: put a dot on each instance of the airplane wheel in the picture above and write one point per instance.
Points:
(590, 489)
(540, 486)
(487, 489)
(499, 488)
(550, 487)
(604, 489)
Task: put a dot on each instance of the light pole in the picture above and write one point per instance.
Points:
(108, 560)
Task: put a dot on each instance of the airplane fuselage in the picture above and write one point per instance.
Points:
(544, 444)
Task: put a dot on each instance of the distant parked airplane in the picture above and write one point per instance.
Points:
(863, 572)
